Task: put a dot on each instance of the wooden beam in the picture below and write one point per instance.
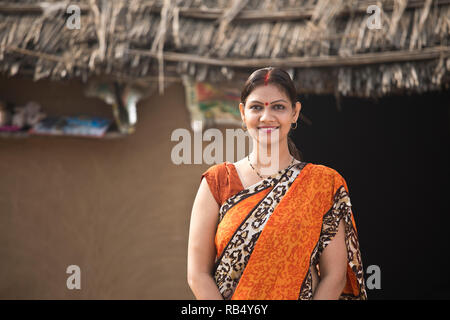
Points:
(307, 62)
(291, 62)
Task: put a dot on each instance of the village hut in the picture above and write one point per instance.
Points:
(108, 205)
(348, 48)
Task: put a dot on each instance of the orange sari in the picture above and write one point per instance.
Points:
(272, 233)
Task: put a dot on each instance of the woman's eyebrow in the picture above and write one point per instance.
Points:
(279, 100)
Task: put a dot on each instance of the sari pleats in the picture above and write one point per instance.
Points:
(279, 254)
(235, 256)
(273, 261)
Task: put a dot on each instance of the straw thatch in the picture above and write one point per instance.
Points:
(326, 45)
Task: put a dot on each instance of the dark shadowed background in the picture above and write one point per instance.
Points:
(394, 154)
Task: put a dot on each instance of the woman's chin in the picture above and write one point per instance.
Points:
(268, 140)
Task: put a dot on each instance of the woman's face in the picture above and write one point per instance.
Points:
(268, 114)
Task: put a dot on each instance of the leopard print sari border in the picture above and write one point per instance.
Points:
(233, 260)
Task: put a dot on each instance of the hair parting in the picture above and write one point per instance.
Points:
(266, 78)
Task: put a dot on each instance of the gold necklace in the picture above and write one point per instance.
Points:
(256, 171)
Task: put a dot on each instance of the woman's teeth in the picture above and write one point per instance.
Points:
(267, 129)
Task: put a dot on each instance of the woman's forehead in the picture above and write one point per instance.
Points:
(269, 92)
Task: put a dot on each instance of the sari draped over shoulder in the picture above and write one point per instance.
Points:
(271, 234)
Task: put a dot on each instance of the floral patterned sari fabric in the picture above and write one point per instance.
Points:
(271, 234)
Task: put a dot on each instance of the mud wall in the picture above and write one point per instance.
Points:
(117, 208)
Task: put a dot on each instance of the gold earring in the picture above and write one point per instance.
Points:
(293, 128)
(244, 126)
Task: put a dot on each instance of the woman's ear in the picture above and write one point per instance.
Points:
(298, 107)
(241, 109)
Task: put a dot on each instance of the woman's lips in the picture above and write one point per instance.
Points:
(268, 129)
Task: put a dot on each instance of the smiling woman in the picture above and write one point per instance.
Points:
(271, 226)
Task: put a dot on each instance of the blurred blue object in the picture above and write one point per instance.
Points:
(73, 126)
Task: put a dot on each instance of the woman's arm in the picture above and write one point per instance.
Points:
(201, 248)
(333, 267)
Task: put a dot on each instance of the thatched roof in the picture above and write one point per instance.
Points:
(326, 45)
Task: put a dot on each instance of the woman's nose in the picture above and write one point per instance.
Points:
(266, 115)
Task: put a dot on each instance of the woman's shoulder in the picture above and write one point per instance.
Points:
(223, 181)
(330, 179)
(322, 168)
(323, 171)
(218, 169)
(222, 174)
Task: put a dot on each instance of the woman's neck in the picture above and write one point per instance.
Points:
(270, 158)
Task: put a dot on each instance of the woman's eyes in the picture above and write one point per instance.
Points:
(276, 107)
